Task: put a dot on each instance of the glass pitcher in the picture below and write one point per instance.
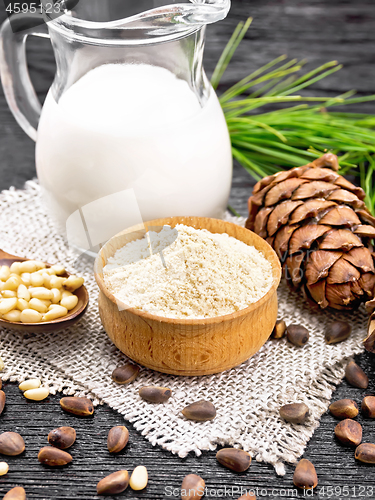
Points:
(130, 108)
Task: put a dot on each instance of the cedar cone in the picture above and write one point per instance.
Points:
(321, 229)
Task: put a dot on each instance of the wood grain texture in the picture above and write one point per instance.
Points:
(317, 30)
(188, 346)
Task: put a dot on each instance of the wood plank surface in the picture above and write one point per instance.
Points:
(313, 29)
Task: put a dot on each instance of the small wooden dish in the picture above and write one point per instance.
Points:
(48, 326)
(188, 346)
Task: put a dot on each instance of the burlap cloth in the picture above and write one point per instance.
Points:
(80, 361)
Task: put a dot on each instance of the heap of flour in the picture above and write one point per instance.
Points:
(188, 273)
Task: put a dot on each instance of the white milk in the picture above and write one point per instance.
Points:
(134, 126)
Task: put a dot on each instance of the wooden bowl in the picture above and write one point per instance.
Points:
(55, 325)
(188, 346)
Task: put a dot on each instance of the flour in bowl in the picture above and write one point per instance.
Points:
(188, 273)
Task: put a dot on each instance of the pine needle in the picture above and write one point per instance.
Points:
(298, 129)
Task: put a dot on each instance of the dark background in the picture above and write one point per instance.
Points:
(315, 30)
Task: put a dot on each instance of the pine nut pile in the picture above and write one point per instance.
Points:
(31, 292)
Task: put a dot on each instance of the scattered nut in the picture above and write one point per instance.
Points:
(48, 455)
(154, 394)
(234, 459)
(279, 329)
(344, 408)
(62, 437)
(118, 438)
(305, 475)
(367, 406)
(356, 376)
(139, 478)
(200, 411)
(192, 487)
(247, 495)
(11, 444)
(37, 394)
(296, 413)
(2, 401)
(297, 335)
(33, 383)
(4, 467)
(16, 493)
(81, 407)
(125, 374)
(365, 452)
(114, 483)
(337, 331)
(349, 432)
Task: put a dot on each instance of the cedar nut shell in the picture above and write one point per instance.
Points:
(365, 452)
(234, 459)
(305, 475)
(125, 374)
(117, 439)
(82, 407)
(16, 493)
(368, 406)
(115, 483)
(11, 444)
(54, 457)
(192, 487)
(62, 437)
(295, 413)
(356, 376)
(297, 335)
(338, 331)
(349, 432)
(344, 408)
(200, 411)
(154, 394)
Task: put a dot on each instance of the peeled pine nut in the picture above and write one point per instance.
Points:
(39, 264)
(55, 312)
(29, 266)
(73, 283)
(30, 292)
(58, 269)
(26, 277)
(22, 304)
(37, 394)
(15, 268)
(14, 315)
(36, 279)
(69, 302)
(139, 478)
(23, 293)
(56, 282)
(41, 293)
(56, 295)
(4, 467)
(33, 383)
(7, 305)
(12, 283)
(4, 273)
(38, 305)
(30, 316)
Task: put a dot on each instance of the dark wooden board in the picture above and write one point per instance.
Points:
(313, 29)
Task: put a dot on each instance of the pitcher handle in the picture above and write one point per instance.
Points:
(18, 89)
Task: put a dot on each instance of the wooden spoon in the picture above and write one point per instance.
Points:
(72, 317)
